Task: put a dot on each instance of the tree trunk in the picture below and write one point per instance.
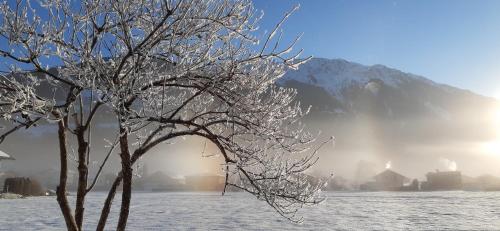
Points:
(107, 204)
(82, 177)
(63, 176)
(127, 180)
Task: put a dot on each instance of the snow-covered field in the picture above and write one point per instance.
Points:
(239, 211)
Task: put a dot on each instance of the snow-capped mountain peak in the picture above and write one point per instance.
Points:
(331, 85)
(337, 75)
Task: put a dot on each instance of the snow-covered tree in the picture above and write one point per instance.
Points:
(166, 69)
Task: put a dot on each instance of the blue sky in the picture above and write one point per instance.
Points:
(454, 42)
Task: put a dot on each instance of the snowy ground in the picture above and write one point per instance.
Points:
(239, 211)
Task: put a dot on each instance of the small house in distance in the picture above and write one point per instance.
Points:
(23, 186)
(448, 180)
(387, 180)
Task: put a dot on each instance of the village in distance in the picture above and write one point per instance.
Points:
(45, 182)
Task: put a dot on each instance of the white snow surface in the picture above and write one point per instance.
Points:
(335, 75)
(453, 210)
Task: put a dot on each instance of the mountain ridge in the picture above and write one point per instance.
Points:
(315, 62)
(354, 87)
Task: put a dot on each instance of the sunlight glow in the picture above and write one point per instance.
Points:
(496, 95)
(492, 147)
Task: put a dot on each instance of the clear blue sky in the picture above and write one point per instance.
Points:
(456, 42)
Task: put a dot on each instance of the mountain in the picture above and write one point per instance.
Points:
(383, 114)
(338, 87)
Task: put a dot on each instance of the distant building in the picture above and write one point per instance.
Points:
(23, 186)
(390, 180)
(386, 180)
(4, 175)
(448, 180)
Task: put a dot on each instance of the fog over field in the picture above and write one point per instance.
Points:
(376, 114)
